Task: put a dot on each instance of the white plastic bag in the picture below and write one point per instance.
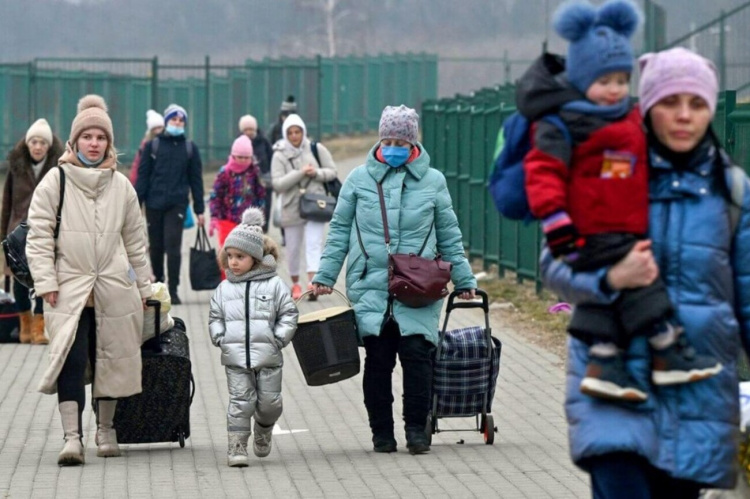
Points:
(159, 292)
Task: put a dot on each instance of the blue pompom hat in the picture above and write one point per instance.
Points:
(599, 39)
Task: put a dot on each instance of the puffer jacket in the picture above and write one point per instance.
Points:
(690, 431)
(416, 195)
(288, 178)
(168, 180)
(100, 253)
(273, 322)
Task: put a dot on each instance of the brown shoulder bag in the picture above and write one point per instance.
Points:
(413, 280)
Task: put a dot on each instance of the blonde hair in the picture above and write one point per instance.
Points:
(269, 248)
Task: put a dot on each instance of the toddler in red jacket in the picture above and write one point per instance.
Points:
(588, 184)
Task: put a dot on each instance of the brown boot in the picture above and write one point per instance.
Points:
(24, 335)
(37, 330)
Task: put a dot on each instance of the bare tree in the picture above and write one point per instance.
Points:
(332, 12)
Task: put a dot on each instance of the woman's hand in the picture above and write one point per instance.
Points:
(637, 269)
(309, 170)
(50, 298)
(319, 289)
(468, 295)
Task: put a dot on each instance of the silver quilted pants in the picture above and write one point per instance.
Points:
(253, 394)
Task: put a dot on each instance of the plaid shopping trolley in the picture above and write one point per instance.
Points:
(467, 363)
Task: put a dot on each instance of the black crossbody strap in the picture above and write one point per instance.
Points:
(58, 217)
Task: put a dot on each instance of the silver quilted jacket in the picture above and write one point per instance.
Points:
(257, 343)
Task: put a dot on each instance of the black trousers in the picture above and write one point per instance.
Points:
(635, 312)
(415, 354)
(624, 475)
(267, 208)
(23, 299)
(165, 229)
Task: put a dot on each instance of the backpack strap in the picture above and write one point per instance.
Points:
(58, 217)
(189, 146)
(154, 147)
(557, 122)
(314, 149)
(736, 193)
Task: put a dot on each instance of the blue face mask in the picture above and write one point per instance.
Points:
(88, 162)
(175, 130)
(395, 156)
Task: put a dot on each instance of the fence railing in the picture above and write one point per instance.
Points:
(334, 95)
(461, 133)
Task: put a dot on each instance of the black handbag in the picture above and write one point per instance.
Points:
(316, 207)
(204, 267)
(14, 245)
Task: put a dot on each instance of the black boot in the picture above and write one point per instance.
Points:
(383, 441)
(175, 300)
(417, 441)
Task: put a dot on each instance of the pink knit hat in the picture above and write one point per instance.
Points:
(242, 146)
(676, 71)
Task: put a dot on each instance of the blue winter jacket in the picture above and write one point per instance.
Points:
(416, 195)
(168, 180)
(690, 431)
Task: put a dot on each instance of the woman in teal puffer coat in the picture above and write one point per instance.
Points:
(419, 209)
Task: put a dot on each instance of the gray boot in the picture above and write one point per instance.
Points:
(106, 437)
(72, 452)
(237, 450)
(262, 440)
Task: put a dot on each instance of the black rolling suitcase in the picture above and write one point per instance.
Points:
(161, 412)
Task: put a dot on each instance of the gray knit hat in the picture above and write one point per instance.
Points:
(289, 105)
(399, 123)
(248, 235)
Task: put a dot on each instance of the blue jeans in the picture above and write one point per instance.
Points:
(625, 475)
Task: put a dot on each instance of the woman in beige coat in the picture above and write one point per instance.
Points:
(294, 168)
(94, 279)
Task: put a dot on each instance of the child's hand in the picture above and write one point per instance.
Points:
(319, 289)
(562, 237)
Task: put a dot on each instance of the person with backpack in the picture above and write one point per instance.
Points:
(263, 152)
(93, 275)
(419, 215)
(587, 182)
(237, 187)
(28, 162)
(683, 437)
(288, 108)
(170, 170)
(154, 128)
(300, 165)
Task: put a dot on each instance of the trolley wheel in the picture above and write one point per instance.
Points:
(488, 429)
(181, 438)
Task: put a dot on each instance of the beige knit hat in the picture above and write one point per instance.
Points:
(40, 128)
(92, 113)
(248, 121)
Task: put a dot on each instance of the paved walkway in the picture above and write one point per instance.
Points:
(322, 442)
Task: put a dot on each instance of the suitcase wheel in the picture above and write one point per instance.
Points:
(181, 438)
(488, 429)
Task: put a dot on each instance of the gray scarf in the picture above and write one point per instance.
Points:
(260, 272)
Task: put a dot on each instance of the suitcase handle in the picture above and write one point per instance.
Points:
(157, 322)
(343, 296)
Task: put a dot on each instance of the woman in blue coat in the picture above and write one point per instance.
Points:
(684, 437)
(420, 213)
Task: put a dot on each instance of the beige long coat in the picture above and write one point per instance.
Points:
(101, 254)
(288, 179)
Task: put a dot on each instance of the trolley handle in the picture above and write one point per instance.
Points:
(157, 322)
(342, 295)
(484, 304)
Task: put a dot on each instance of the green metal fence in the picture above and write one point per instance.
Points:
(341, 95)
(460, 133)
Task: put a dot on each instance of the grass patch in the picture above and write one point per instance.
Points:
(519, 307)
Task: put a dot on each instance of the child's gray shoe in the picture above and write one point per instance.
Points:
(262, 440)
(237, 449)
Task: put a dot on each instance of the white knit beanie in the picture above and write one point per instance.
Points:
(153, 120)
(40, 128)
(248, 121)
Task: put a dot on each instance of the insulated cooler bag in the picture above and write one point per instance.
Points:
(161, 412)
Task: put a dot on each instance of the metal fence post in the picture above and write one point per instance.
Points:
(31, 104)
(319, 63)
(722, 52)
(155, 83)
(209, 151)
